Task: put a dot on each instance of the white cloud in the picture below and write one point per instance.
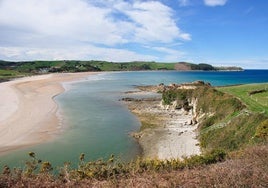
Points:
(72, 19)
(48, 26)
(81, 53)
(215, 2)
(153, 22)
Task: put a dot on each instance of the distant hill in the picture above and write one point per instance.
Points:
(10, 69)
(184, 66)
(81, 66)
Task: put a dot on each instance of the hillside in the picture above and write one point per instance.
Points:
(9, 70)
(184, 66)
(223, 120)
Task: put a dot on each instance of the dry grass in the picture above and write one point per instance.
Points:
(247, 168)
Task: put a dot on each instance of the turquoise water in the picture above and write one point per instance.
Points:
(95, 121)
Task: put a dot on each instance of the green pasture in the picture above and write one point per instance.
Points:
(255, 102)
(6, 75)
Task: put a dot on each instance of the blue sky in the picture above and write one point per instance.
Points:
(218, 32)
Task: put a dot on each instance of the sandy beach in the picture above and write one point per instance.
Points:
(28, 111)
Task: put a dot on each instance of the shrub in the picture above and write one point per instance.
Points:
(262, 130)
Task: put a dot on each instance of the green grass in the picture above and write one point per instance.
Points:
(157, 66)
(243, 127)
(6, 75)
(108, 66)
(228, 123)
(239, 132)
(37, 67)
(256, 102)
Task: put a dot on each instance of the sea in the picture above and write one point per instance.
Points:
(95, 122)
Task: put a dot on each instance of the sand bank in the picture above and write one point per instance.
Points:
(28, 113)
(169, 133)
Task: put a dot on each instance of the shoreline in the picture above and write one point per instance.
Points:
(165, 133)
(29, 113)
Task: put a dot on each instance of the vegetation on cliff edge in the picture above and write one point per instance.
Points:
(225, 121)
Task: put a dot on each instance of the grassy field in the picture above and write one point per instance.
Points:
(9, 74)
(256, 102)
(6, 73)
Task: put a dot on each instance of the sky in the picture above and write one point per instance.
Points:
(217, 32)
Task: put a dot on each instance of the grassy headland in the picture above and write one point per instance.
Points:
(225, 121)
(255, 96)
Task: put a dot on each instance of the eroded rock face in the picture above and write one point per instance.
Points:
(170, 130)
(190, 108)
(171, 122)
(171, 134)
(188, 104)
